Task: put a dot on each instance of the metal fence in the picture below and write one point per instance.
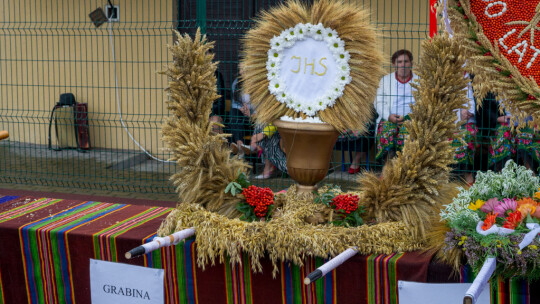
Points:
(52, 47)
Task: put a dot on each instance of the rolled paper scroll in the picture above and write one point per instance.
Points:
(330, 265)
(481, 281)
(159, 242)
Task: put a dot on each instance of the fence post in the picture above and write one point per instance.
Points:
(201, 15)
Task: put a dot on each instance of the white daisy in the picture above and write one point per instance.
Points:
(300, 31)
(272, 75)
(272, 66)
(277, 43)
(329, 33)
(282, 97)
(275, 87)
(318, 32)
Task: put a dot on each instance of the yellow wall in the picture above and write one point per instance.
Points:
(49, 47)
(403, 24)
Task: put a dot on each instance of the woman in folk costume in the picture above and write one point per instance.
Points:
(393, 101)
(466, 148)
(522, 143)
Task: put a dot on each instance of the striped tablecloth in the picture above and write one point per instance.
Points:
(47, 244)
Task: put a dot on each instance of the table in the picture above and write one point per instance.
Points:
(47, 245)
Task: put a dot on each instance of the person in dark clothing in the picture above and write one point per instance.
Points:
(359, 143)
(218, 107)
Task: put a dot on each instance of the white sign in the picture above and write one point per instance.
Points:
(309, 70)
(448, 293)
(118, 283)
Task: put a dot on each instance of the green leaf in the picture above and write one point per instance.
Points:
(228, 188)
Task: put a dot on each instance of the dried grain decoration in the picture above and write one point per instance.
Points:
(206, 166)
(493, 71)
(406, 196)
(287, 237)
(353, 109)
(413, 184)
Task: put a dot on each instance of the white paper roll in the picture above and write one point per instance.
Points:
(482, 279)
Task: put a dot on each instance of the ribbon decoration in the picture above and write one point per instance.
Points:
(447, 19)
(432, 18)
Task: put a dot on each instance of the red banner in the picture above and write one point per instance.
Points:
(432, 18)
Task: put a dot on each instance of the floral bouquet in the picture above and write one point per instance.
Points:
(498, 217)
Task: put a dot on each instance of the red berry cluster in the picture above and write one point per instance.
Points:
(346, 202)
(260, 198)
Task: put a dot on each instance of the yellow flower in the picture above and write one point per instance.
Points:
(533, 247)
(519, 252)
(537, 194)
(463, 238)
(475, 206)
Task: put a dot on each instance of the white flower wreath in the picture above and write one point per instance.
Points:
(338, 74)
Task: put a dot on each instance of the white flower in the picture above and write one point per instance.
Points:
(272, 75)
(336, 45)
(300, 31)
(308, 29)
(273, 54)
(344, 69)
(282, 97)
(329, 33)
(318, 32)
(320, 104)
(273, 59)
(272, 66)
(290, 103)
(344, 79)
(290, 35)
(309, 110)
(342, 57)
(276, 87)
(277, 43)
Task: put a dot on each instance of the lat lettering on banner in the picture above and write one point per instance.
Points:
(320, 66)
(523, 39)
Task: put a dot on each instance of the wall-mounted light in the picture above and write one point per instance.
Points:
(111, 14)
(98, 17)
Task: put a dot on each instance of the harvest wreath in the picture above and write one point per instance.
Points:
(397, 205)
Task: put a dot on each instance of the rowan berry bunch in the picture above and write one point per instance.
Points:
(348, 213)
(259, 203)
(345, 203)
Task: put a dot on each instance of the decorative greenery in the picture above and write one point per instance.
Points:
(489, 219)
(326, 194)
(512, 182)
(346, 209)
(258, 204)
(237, 186)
